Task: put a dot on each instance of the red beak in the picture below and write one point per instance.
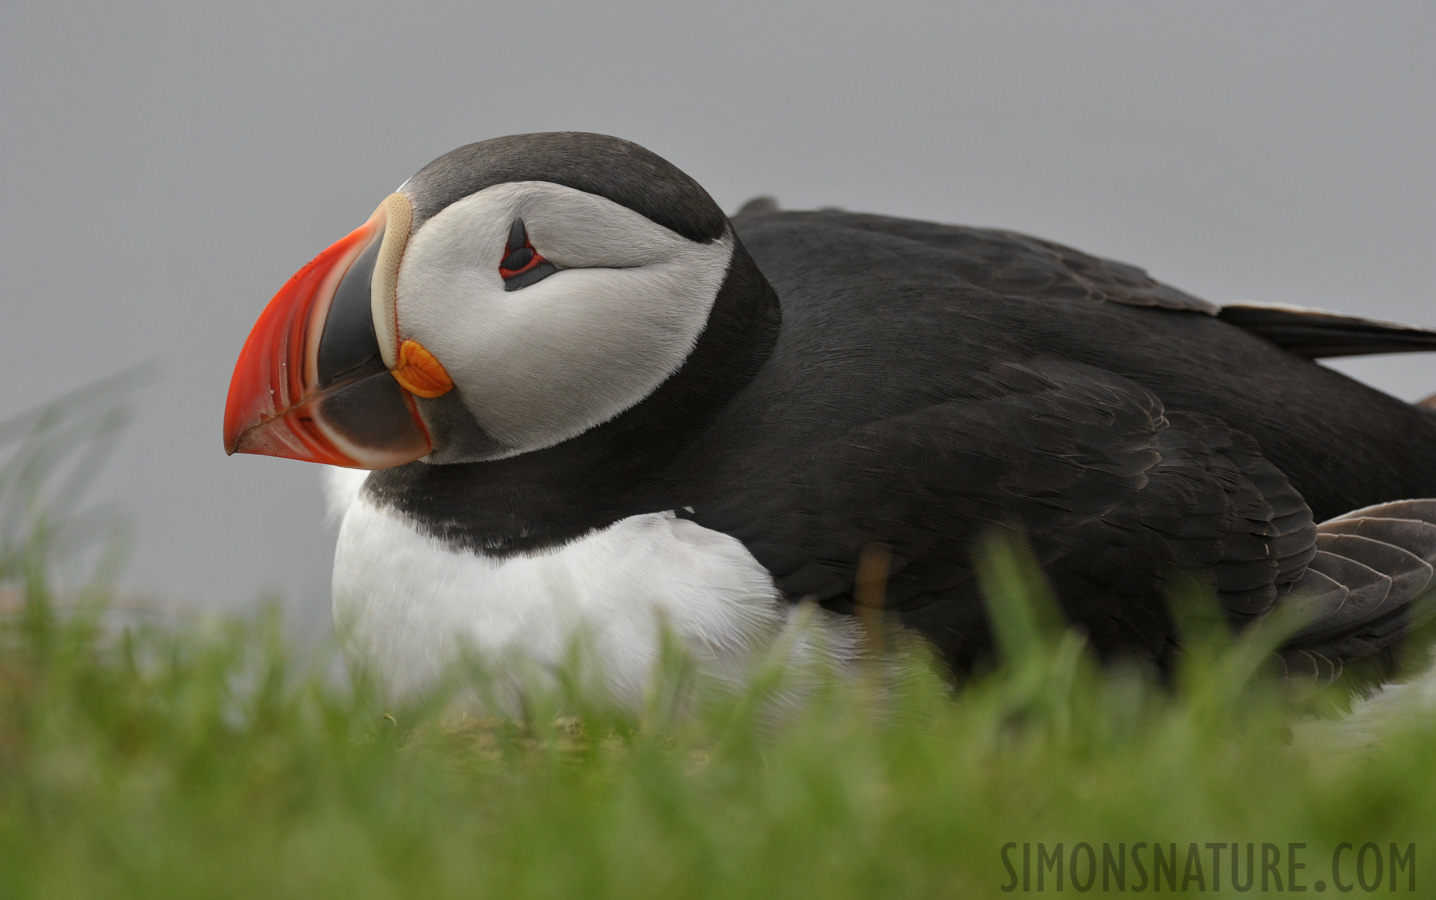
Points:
(311, 382)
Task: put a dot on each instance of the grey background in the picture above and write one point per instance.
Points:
(166, 166)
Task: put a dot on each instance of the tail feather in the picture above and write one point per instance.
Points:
(1367, 592)
(1370, 584)
(1421, 510)
(1413, 536)
(1407, 573)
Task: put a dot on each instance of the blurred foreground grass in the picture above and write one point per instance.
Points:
(200, 760)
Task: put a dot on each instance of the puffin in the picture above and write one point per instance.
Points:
(576, 411)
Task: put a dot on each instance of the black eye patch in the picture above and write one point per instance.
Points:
(522, 265)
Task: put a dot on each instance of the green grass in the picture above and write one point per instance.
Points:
(196, 762)
(200, 760)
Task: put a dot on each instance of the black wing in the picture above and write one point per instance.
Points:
(1317, 334)
(1117, 495)
(1009, 263)
(1004, 262)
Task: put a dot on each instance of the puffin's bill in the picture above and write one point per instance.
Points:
(311, 382)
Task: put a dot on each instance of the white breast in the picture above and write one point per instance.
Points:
(407, 606)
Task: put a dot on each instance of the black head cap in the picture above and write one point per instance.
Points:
(598, 164)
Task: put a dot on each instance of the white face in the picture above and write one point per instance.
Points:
(546, 362)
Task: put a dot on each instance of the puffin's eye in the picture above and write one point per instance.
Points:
(522, 265)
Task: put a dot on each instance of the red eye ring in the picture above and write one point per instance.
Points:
(522, 265)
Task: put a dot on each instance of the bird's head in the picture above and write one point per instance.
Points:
(511, 295)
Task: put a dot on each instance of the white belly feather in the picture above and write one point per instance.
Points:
(407, 606)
